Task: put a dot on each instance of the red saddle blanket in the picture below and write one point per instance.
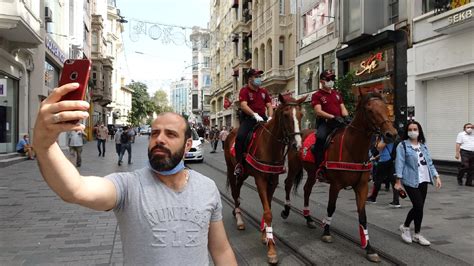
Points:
(255, 163)
(305, 152)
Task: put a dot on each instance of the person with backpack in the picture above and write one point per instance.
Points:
(126, 144)
(385, 171)
(415, 169)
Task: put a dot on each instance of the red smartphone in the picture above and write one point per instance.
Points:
(76, 70)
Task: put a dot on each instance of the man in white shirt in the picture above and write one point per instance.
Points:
(76, 141)
(465, 151)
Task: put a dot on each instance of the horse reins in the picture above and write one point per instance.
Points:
(287, 135)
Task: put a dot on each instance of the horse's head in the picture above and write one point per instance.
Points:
(375, 114)
(288, 116)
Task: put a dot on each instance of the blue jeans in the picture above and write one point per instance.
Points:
(99, 141)
(128, 148)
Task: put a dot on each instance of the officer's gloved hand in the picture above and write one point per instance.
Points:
(257, 117)
(339, 120)
(269, 118)
(347, 119)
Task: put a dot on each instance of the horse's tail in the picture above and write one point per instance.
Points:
(297, 181)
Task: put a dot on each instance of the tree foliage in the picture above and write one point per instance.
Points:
(142, 106)
(160, 99)
(344, 85)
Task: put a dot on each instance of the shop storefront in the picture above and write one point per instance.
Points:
(379, 65)
(308, 83)
(8, 113)
(53, 64)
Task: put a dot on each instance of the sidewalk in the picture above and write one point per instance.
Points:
(36, 227)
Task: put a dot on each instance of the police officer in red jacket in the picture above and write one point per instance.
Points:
(254, 101)
(330, 112)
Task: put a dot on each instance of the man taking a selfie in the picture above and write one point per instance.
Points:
(167, 214)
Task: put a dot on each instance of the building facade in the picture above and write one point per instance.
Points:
(244, 34)
(318, 38)
(223, 83)
(441, 72)
(374, 50)
(121, 105)
(201, 77)
(180, 96)
(21, 69)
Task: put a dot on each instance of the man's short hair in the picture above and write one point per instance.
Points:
(465, 125)
(187, 129)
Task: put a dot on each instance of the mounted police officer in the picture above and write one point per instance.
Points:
(330, 112)
(254, 101)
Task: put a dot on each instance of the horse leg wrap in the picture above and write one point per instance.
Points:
(305, 211)
(326, 221)
(236, 211)
(364, 236)
(269, 234)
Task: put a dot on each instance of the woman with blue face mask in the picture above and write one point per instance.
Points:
(414, 168)
(255, 104)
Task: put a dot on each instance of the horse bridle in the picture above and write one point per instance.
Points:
(373, 127)
(287, 135)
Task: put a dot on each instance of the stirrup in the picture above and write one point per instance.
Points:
(238, 170)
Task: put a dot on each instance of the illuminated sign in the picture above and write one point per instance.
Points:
(370, 64)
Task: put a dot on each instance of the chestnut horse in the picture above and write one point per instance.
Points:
(268, 152)
(350, 146)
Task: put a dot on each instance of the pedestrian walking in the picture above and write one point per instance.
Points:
(212, 138)
(101, 133)
(414, 168)
(75, 143)
(24, 147)
(384, 171)
(126, 144)
(465, 152)
(223, 136)
(215, 140)
(118, 145)
(167, 214)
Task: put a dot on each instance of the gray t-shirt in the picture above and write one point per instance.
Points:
(159, 226)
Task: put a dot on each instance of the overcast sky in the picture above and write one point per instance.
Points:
(158, 64)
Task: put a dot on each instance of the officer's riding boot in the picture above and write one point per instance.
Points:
(238, 170)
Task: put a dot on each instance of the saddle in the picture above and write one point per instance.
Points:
(265, 167)
(305, 153)
(307, 156)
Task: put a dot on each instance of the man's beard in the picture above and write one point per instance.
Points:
(164, 162)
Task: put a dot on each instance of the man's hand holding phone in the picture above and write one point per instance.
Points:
(54, 115)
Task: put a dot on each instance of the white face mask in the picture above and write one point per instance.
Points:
(468, 130)
(329, 84)
(413, 134)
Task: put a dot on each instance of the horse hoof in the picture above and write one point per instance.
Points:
(374, 257)
(327, 238)
(311, 224)
(284, 214)
(272, 259)
(241, 226)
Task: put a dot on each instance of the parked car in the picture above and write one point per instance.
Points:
(196, 153)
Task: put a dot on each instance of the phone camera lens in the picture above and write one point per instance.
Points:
(73, 75)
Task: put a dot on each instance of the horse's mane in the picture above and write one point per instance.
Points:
(366, 97)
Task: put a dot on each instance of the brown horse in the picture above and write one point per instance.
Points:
(268, 151)
(349, 145)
